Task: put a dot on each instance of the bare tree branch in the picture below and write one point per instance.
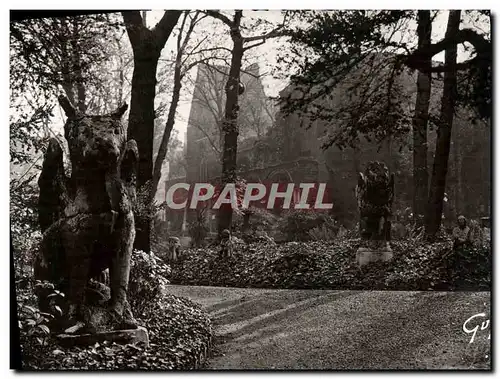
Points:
(163, 29)
(214, 49)
(194, 49)
(201, 61)
(482, 46)
(209, 139)
(189, 32)
(179, 37)
(277, 32)
(254, 45)
(220, 16)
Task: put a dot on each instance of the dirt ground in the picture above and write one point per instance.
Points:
(344, 330)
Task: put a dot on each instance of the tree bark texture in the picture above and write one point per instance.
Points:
(140, 117)
(420, 120)
(230, 125)
(441, 157)
(162, 151)
(146, 45)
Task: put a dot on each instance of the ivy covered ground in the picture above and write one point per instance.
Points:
(180, 332)
(331, 265)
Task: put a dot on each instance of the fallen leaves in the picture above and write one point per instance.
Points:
(179, 331)
(331, 265)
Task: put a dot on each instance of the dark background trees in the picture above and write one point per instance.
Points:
(233, 89)
(397, 90)
(345, 46)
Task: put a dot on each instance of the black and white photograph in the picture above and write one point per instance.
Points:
(250, 189)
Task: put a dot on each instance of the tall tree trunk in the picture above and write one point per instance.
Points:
(162, 151)
(457, 163)
(66, 71)
(146, 45)
(230, 126)
(77, 67)
(141, 116)
(420, 120)
(440, 167)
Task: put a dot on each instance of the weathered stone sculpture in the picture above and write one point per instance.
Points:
(375, 194)
(174, 249)
(226, 244)
(87, 220)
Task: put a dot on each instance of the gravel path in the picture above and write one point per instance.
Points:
(344, 330)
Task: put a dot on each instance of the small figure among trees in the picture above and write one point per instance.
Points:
(226, 244)
(461, 234)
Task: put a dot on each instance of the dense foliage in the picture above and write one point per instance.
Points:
(297, 225)
(24, 231)
(367, 54)
(147, 281)
(331, 265)
(179, 330)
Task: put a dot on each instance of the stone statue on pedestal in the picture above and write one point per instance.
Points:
(375, 194)
(87, 222)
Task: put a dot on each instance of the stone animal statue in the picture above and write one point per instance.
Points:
(87, 219)
(375, 194)
(226, 244)
(173, 248)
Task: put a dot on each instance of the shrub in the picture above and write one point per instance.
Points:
(24, 228)
(472, 267)
(147, 281)
(197, 229)
(296, 224)
(35, 325)
(261, 219)
(260, 222)
(179, 332)
(332, 265)
(328, 231)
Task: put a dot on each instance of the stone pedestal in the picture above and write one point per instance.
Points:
(119, 336)
(365, 255)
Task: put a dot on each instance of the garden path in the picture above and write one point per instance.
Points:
(344, 330)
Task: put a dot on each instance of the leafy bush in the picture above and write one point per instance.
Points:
(259, 220)
(179, 332)
(472, 267)
(326, 232)
(25, 233)
(332, 265)
(35, 325)
(296, 224)
(197, 229)
(147, 281)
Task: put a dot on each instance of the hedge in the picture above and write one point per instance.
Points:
(331, 265)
